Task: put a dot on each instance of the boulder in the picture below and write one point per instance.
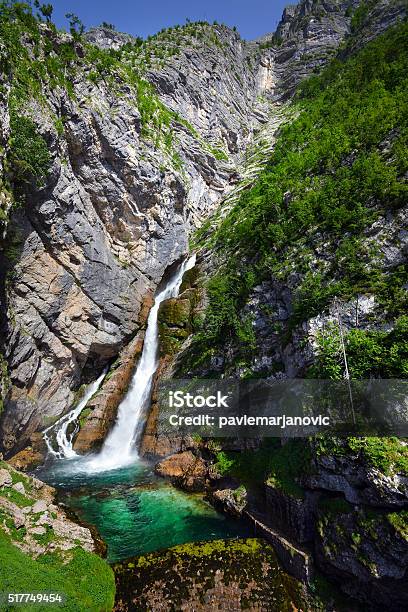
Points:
(39, 506)
(185, 470)
(5, 478)
(19, 487)
(13, 511)
(44, 520)
(27, 459)
(37, 530)
(231, 501)
(71, 533)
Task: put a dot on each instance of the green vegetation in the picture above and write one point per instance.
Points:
(335, 170)
(129, 65)
(379, 353)
(389, 455)
(29, 57)
(278, 465)
(86, 580)
(223, 463)
(360, 14)
(166, 44)
(29, 157)
(274, 41)
(250, 546)
(4, 381)
(38, 60)
(399, 520)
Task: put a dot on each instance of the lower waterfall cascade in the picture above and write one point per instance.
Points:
(64, 439)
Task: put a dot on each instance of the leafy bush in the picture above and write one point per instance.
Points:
(399, 520)
(278, 465)
(223, 463)
(29, 155)
(369, 353)
(389, 455)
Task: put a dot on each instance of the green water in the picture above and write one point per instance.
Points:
(134, 511)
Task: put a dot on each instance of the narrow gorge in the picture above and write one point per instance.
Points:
(197, 206)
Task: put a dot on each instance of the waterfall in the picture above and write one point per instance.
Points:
(62, 438)
(120, 447)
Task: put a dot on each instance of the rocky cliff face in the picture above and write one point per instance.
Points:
(307, 37)
(145, 140)
(117, 206)
(33, 521)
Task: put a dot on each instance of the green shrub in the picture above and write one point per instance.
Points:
(399, 520)
(389, 455)
(278, 465)
(223, 463)
(29, 156)
(369, 353)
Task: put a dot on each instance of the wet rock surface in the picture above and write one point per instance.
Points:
(100, 414)
(231, 501)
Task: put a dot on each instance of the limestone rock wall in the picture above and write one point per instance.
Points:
(115, 212)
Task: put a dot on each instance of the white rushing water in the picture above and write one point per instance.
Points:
(120, 447)
(62, 438)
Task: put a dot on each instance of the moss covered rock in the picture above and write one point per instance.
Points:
(218, 575)
(366, 552)
(178, 318)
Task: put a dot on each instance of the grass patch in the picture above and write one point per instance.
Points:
(86, 580)
(399, 520)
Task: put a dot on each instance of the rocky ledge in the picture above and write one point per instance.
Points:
(33, 521)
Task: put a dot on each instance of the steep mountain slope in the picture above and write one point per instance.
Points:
(114, 150)
(325, 220)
